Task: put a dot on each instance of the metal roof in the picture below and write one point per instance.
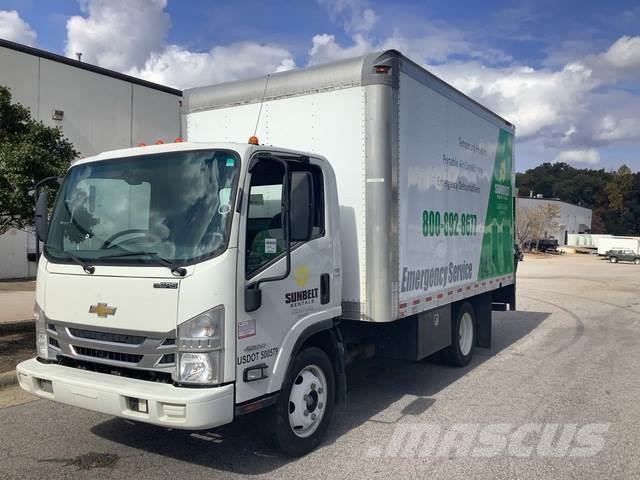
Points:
(86, 66)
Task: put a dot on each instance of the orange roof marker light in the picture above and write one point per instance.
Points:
(253, 140)
(178, 140)
(142, 144)
(159, 142)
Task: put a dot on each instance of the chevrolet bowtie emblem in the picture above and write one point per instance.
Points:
(102, 310)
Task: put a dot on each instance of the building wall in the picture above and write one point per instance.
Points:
(14, 246)
(573, 218)
(100, 113)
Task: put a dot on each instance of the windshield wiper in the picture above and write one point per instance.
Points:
(90, 269)
(176, 270)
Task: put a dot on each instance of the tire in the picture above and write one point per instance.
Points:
(460, 352)
(613, 259)
(636, 261)
(310, 385)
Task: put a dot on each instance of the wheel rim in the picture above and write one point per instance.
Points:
(465, 331)
(307, 401)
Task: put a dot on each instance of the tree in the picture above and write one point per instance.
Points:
(613, 196)
(29, 152)
(549, 215)
(533, 224)
(528, 224)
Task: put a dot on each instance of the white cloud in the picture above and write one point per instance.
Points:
(354, 15)
(326, 49)
(533, 99)
(179, 67)
(117, 34)
(589, 156)
(624, 53)
(14, 28)
(129, 36)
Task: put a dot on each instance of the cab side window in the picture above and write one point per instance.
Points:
(265, 229)
(265, 234)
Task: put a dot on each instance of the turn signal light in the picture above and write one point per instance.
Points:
(178, 140)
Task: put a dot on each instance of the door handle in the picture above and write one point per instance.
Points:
(325, 290)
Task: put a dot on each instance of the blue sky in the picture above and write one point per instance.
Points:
(567, 73)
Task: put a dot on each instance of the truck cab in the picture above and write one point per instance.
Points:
(178, 281)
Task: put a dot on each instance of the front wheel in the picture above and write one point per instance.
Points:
(305, 405)
(463, 336)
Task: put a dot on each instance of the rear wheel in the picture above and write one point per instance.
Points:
(463, 335)
(636, 261)
(613, 259)
(304, 408)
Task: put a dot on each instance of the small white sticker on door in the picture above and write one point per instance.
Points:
(246, 328)
(270, 245)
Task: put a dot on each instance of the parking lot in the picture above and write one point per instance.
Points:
(566, 362)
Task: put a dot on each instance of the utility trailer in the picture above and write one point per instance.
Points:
(374, 215)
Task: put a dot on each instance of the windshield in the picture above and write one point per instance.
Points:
(175, 206)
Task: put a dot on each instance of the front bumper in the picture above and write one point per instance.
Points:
(168, 406)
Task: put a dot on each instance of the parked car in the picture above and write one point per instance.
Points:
(544, 245)
(623, 255)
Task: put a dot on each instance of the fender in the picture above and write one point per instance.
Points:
(336, 354)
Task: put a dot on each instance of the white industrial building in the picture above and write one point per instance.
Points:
(573, 219)
(97, 110)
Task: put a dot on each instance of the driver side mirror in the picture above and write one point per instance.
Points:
(252, 298)
(301, 206)
(42, 216)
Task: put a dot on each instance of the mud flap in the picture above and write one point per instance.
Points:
(482, 308)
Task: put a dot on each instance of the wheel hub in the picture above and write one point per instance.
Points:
(307, 401)
(465, 334)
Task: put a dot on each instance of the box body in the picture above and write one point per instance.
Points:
(424, 174)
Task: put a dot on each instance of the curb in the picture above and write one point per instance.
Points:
(8, 379)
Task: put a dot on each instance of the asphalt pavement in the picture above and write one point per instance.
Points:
(556, 397)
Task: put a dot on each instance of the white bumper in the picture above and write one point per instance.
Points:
(168, 406)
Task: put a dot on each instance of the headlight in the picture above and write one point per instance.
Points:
(199, 367)
(42, 340)
(200, 341)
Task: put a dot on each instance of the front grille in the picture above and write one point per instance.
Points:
(104, 354)
(106, 336)
(134, 350)
(150, 376)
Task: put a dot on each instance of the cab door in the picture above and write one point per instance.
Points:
(289, 300)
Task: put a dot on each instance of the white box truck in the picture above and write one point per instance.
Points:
(612, 242)
(185, 284)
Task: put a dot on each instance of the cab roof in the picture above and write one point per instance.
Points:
(244, 149)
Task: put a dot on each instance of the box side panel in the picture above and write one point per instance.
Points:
(330, 124)
(455, 204)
